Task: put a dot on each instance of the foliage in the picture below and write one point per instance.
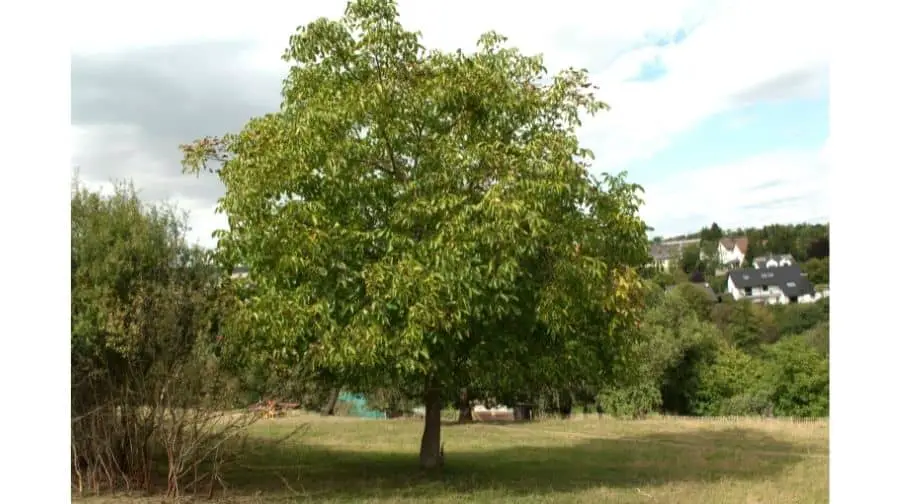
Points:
(690, 260)
(675, 341)
(391, 400)
(146, 313)
(719, 284)
(816, 270)
(698, 357)
(745, 324)
(711, 234)
(803, 241)
(796, 318)
(634, 400)
(798, 378)
(659, 278)
(696, 299)
(730, 384)
(818, 338)
(409, 212)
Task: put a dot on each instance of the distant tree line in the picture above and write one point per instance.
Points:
(807, 243)
(704, 357)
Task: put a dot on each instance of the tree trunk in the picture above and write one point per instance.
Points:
(565, 406)
(331, 404)
(465, 407)
(522, 413)
(430, 452)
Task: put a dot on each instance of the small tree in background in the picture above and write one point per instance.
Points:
(690, 260)
(816, 270)
(711, 234)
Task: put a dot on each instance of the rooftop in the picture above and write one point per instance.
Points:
(790, 279)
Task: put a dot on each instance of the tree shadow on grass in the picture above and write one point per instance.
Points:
(566, 464)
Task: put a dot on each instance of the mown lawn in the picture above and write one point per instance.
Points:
(589, 460)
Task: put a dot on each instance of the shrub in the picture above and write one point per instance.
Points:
(758, 402)
(797, 375)
(719, 284)
(817, 270)
(745, 324)
(147, 310)
(732, 374)
(695, 298)
(675, 341)
(818, 338)
(631, 401)
(797, 318)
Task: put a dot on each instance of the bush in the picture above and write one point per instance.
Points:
(719, 284)
(745, 324)
(797, 375)
(752, 403)
(818, 338)
(695, 298)
(732, 382)
(794, 319)
(147, 311)
(631, 401)
(817, 270)
(663, 375)
(681, 380)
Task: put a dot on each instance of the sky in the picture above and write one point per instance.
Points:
(718, 108)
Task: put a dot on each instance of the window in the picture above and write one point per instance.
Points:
(791, 284)
(765, 288)
(748, 291)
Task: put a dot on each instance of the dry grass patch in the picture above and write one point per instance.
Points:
(659, 460)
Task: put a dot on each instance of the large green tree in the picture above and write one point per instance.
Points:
(424, 217)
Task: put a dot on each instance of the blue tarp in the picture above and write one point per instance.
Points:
(358, 406)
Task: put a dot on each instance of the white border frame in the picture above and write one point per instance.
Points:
(863, 151)
(34, 216)
(35, 125)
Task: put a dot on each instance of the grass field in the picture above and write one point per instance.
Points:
(586, 459)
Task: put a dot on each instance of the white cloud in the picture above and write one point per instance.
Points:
(121, 143)
(739, 46)
(733, 46)
(776, 187)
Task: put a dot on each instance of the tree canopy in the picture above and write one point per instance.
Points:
(420, 217)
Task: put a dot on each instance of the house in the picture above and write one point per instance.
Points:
(732, 251)
(779, 285)
(774, 261)
(667, 254)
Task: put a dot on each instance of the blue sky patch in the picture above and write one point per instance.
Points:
(739, 134)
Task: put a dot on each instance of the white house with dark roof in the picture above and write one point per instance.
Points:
(779, 285)
(773, 261)
(732, 251)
